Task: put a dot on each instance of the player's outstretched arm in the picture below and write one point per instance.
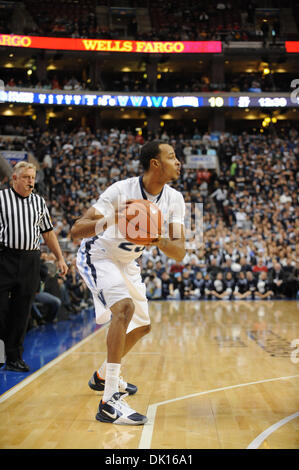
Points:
(89, 225)
(174, 246)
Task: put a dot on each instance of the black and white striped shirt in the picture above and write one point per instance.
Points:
(22, 220)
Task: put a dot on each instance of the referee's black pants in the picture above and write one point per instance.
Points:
(19, 282)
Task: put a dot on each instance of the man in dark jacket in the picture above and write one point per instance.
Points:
(277, 278)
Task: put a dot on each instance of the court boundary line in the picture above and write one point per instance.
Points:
(131, 353)
(12, 391)
(255, 444)
(148, 428)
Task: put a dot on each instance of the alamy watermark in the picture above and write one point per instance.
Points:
(190, 215)
(294, 96)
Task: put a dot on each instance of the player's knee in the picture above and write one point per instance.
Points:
(124, 310)
(128, 307)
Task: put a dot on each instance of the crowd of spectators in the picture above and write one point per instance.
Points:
(248, 224)
(70, 19)
(179, 20)
(170, 20)
(252, 82)
(137, 82)
(199, 21)
(20, 78)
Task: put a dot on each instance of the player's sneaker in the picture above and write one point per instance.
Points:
(96, 383)
(117, 411)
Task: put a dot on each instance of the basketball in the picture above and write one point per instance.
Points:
(141, 222)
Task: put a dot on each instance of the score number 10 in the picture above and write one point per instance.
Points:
(216, 101)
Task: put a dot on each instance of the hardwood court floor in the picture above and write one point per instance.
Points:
(210, 375)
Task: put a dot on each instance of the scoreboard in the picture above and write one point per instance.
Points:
(221, 100)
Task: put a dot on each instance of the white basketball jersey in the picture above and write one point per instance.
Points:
(111, 243)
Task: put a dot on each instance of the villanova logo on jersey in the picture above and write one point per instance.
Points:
(102, 298)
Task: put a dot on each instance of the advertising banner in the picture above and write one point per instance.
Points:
(111, 45)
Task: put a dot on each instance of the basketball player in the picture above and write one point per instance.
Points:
(106, 261)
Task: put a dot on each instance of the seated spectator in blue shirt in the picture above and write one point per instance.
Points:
(153, 286)
(159, 268)
(45, 306)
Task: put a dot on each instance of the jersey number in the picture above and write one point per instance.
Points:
(127, 246)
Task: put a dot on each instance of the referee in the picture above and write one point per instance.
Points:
(24, 217)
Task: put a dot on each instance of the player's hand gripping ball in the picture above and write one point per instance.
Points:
(141, 222)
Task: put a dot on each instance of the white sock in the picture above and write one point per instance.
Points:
(102, 370)
(111, 380)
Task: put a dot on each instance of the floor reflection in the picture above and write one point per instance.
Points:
(223, 321)
(45, 343)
